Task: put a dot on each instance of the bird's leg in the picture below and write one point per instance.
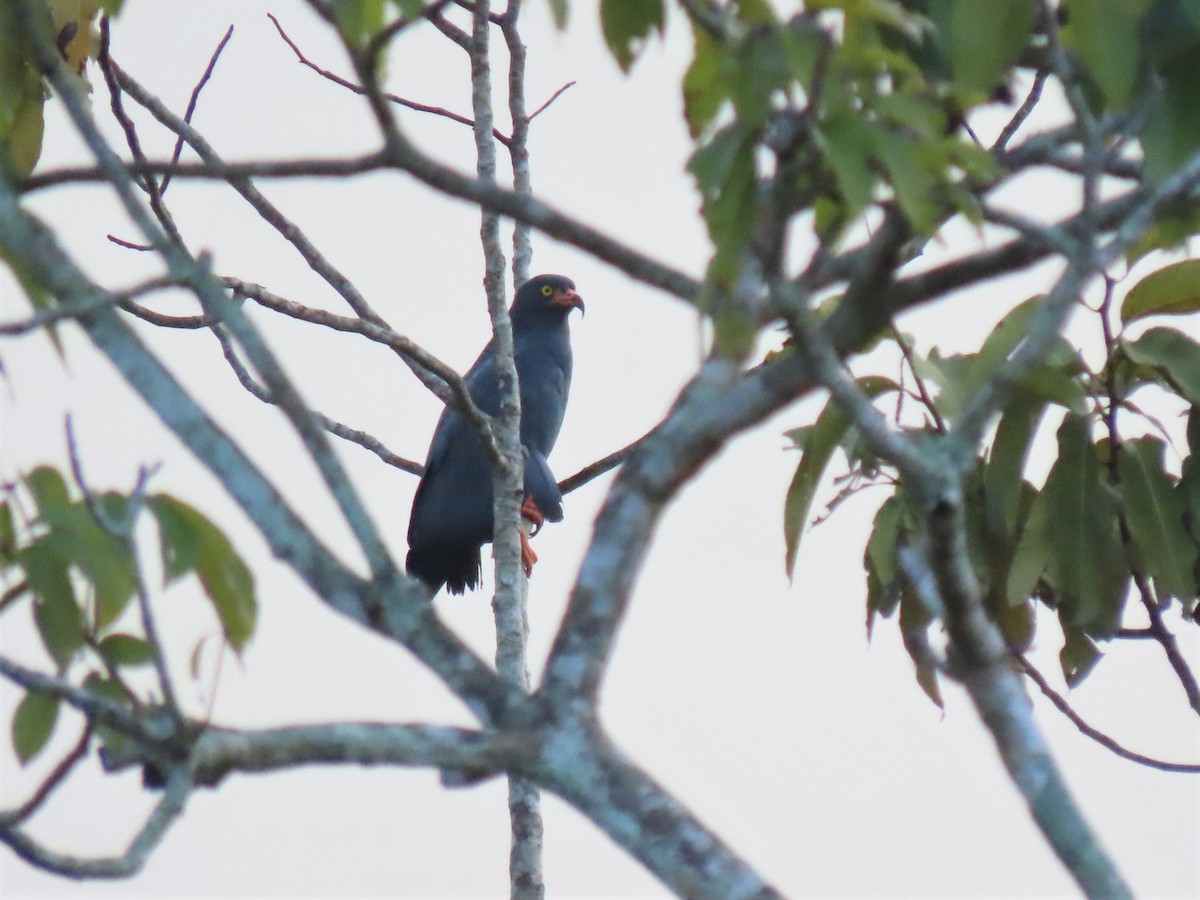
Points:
(528, 557)
(530, 511)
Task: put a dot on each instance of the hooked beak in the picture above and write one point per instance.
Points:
(567, 298)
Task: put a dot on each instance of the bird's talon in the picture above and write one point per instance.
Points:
(528, 557)
(530, 511)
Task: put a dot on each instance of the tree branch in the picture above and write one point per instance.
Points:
(165, 814)
(1095, 734)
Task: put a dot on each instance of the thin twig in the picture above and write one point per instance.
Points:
(1014, 124)
(1095, 734)
(358, 89)
(334, 427)
(13, 817)
(601, 466)
(163, 320)
(193, 100)
(925, 397)
(148, 183)
(45, 317)
(13, 594)
(394, 28)
(166, 813)
(129, 245)
(541, 109)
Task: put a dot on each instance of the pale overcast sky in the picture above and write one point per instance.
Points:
(761, 705)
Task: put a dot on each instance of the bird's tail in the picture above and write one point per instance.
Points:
(458, 568)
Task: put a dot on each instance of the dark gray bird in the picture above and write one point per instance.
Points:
(452, 511)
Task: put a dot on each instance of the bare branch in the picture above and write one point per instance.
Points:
(509, 605)
(339, 282)
(545, 106)
(131, 137)
(211, 171)
(285, 395)
(165, 814)
(445, 383)
(194, 99)
(220, 752)
(357, 89)
(1095, 734)
(601, 466)
(379, 42)
(1023, 112)
(14, 817)
(980, 660)
(45, 317)
(331, 425)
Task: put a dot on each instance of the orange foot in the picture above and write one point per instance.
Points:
(530, 511)
(528, 557)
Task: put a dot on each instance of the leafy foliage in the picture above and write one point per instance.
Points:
(859, 105)
(1060, 545)
(627, 24)
(75, 562)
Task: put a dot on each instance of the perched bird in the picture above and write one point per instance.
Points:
(452, 510)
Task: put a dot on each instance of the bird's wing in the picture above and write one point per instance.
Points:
(542, 487)
(453, 500)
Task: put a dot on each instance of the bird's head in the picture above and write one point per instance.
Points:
(546, 294)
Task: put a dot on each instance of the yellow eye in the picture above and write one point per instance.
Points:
(547, 290)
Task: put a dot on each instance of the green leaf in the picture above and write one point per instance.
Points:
(22, 96)
(627, 24)
(223, 574)
(59, 619)
(756, 12)
(1172, 353)
(1170, 231)
(951, 375)
(849, 144)
(8, 535)
(816, 444)
(704, 88)
(725, 173)
(761, 68)
(178, 539)
(880, 557)
(1018, 624)
(1059, 383)
(410, 9)
(1006, 463)
(358, 20)
(560, 11)
(126, 650)
(980, 55)
(1155, 514)
(927, 679)
(1170, 291)
(48, 488)
(1078, 656)
(734, 331)
(915, 186)
(885, 538)
(914, 620)
(76, 536)
(1087, 560)
(33, 724)
(1104, 34)
(1172, 134)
